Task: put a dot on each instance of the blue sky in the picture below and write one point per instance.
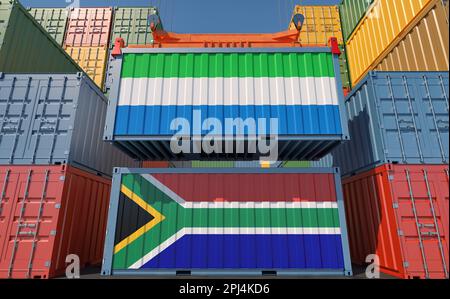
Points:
(208, 16)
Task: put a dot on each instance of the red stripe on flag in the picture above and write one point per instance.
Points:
(251, 187)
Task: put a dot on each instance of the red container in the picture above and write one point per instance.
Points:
(47, 213)
(155, 164)
(88, 27)
(386, 209)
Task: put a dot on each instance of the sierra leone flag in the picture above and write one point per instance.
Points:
(298, 89)
(228, 221)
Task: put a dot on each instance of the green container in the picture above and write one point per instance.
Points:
(54, 21)
(131, 24)
(343, 64)
(296, 164)
(25, 47)
(212, 164)
(352, 12)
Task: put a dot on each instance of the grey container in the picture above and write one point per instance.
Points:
(55, 119)
(396, 117)
(325, 162)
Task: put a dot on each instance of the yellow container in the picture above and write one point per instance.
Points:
(92, 60)
(379, 30)
(425, 47)
(321, 23)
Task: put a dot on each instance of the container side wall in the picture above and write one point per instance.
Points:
(35, 51)
(381, 28)
(351, 12)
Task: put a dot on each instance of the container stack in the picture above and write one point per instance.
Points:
(55, 171)
(395, 167)
(210, 214)
(87, 40)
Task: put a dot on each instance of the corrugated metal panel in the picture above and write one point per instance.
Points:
(398, 117)
(89, 27)
(423, 48)
(131, 24)
(54, 21)
(352, 11)
(326, 161)
(25, 47)
(155, 164)
(50, 119)
(381, 28)
(321, 23)
(48, 213)
(400, 213)
(296, 87)
(92, 60)
(240, 222)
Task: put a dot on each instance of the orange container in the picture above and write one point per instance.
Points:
(401, 214)
(48, 213)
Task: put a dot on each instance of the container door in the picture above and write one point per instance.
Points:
(29, 204)
(423, 222)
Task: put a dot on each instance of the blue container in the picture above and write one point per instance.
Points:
(396, 117)
(55, 119)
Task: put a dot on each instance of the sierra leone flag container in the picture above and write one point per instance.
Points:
(294, 93)
(243, 221)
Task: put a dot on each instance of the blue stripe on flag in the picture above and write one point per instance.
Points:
(292, 120)
(251, 252)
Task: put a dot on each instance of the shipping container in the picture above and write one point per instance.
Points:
(55, 119)
(320, 24)
(400, 213)
(53, 20)
(181, 164)
(131, 24)
(351, 12)
(226, 222)
(92, 60)
(294, 93)
(47, 214)
(425, 47)
(396, 117)
(379, 32)
(155, 164)
(89, 27)
(25, 47)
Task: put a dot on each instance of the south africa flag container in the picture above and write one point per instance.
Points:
(226, 222)
(291, 96)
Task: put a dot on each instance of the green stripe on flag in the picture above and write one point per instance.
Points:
(227, 65)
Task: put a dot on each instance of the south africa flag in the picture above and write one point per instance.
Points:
(228, 221)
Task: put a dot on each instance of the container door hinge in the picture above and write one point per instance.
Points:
(58, 206)
(62, 178)
(47, 264)
(53, 233)
(391, 177)
(395, 205)
(400, 232)
(405, 264)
